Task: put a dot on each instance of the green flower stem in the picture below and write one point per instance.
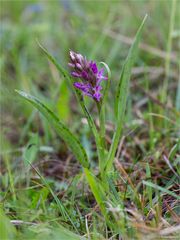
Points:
(102, 132)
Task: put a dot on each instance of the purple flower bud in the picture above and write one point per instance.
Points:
(88, 73)
(79, 66)
(71, 65)
(79, 58)
(72, 56)
(75, 74)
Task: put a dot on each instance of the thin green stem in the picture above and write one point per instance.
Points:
(169, 48)
(102, 131)
(101, 112)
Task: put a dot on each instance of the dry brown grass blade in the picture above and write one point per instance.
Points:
(174, 215)
(120, 168)
(170, 230)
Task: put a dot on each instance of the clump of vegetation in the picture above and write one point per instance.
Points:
(115, 173)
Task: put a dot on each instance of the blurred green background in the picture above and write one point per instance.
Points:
(102, 31)
(78, 25)
(89, 27)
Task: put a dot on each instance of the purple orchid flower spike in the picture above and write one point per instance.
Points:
(89, 74)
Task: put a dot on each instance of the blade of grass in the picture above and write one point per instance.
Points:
(164, 190)
(169, 47)
(97, 190)
(122, 94)
(99, 194)
(149, 189)
(178, 97)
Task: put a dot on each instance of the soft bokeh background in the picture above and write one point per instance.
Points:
(89, 27)
(102, 31)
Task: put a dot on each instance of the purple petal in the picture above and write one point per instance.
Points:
(100, 76)
(79, 85)
(84, 75)
(97, 88)
(97, 96)
(93, 67)
(75, 74)
(85, 88)
(100, 73)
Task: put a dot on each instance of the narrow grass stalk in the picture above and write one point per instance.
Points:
(164, 190)
(4, 146)
(101, 136)
(100, 195)
(168, 53)
(11, 179)
(149, 189)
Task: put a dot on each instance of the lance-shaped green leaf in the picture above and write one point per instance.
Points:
(122, 94)
(72, 142)
(97, 190)
(100, 195)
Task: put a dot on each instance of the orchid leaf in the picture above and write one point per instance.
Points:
(122, 94)
(97, 190)
(72, 142)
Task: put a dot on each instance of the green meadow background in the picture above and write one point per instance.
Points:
(103, 31)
